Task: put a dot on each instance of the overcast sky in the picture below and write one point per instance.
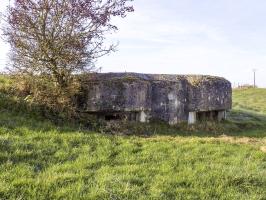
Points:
(216, 37)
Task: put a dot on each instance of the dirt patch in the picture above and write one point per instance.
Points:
(263, 149)
(258, 143)
(239, 140)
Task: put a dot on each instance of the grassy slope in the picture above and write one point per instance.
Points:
(249, 112)
(253, 100)
(42, 161)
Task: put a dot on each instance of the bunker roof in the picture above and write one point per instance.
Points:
(192, 79)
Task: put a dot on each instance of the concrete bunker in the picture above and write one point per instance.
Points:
(143, 97)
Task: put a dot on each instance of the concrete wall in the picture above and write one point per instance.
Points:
(117, 96)
(165, 97)
(169, 101)
(210, 95)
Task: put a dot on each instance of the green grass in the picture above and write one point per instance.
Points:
(42, 161)
(5, 82)
(252, 100)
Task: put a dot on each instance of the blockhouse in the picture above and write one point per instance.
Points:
(143, 97)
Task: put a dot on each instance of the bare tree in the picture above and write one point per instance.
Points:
(52, 40)
(60, 37)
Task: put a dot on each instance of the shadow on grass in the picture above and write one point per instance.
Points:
(16, 114)
(239, 124)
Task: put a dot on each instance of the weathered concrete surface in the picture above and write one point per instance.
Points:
(148, 96)
(209, 93)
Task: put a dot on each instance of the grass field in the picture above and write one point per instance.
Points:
(42, 161)
(250, 100)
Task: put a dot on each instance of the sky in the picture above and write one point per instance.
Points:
(215, 37)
